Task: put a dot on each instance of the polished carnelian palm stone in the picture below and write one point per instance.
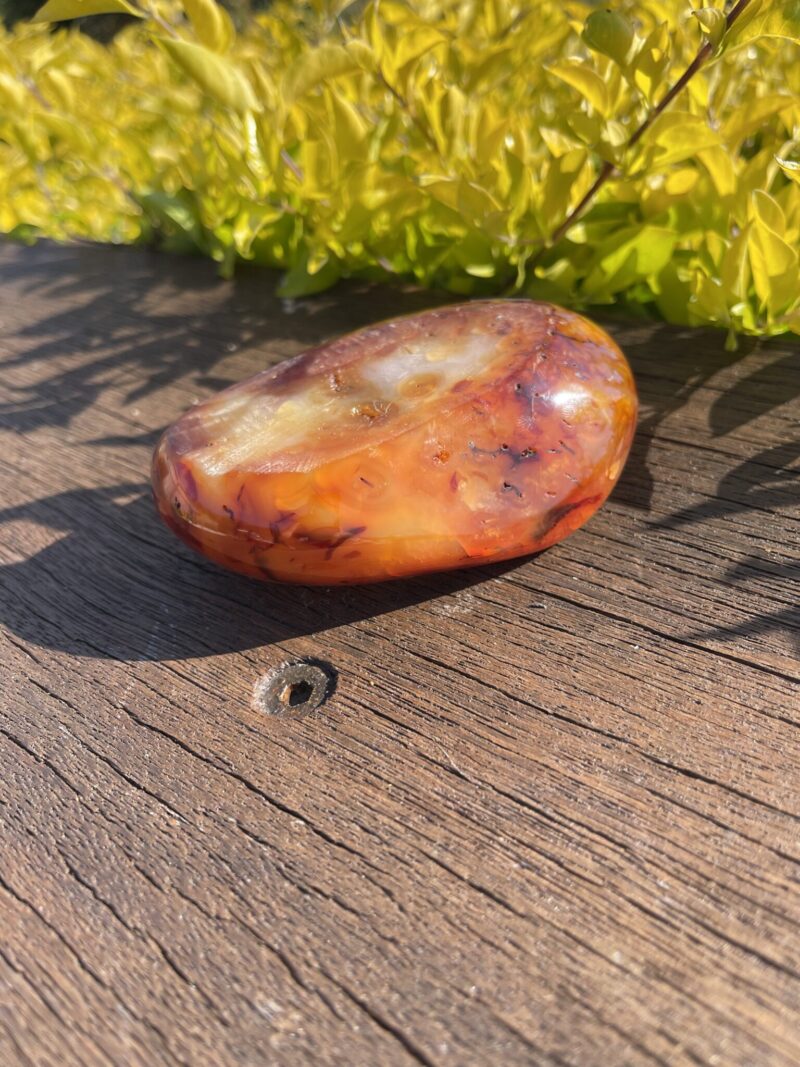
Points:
(459, 436)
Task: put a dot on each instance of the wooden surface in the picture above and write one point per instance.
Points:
(550, 814)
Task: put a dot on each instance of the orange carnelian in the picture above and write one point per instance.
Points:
(459, 436)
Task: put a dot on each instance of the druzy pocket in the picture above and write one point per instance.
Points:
(463, 435)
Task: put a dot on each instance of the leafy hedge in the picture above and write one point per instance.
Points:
(444, 141)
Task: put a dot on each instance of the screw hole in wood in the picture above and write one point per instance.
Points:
(294, 688)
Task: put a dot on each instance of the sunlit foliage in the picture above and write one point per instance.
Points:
(441, 141)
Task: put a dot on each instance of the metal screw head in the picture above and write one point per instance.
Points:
(294, 688)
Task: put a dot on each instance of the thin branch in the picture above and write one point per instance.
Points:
(406, 106)
(608, 170)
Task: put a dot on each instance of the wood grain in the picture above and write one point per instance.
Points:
(550, 814)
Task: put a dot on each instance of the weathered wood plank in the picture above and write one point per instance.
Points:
(549, 816)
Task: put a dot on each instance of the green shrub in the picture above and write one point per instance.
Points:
(442, 141)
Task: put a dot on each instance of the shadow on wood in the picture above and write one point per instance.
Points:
(118, 571)
(141, 321)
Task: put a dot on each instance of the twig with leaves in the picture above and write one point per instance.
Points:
(609, 170)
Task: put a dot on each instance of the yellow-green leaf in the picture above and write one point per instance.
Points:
(677, 135)
(587, 128)
(415, 44)
(217, 75)
(13, 92)
(562, 186)
(630, 253)
(614, 138)
(362, 54)
(719, 165)
(610, 33)
(681, 181)
(735, 268)
(63, 10)
(252, 219)
(709, 298)
(300, 281)
(713, 22)
(60, 86)
(587, 82)
(319, 65)
(769, 211)
(744, 121)
(558, 141)
(651, 62)
(67, 130)
(766, 18)
(211, 23)
(772, 259)
(350, 128)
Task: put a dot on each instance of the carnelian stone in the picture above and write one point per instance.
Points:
(463, 435)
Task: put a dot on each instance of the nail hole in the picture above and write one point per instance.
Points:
(294, 688)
